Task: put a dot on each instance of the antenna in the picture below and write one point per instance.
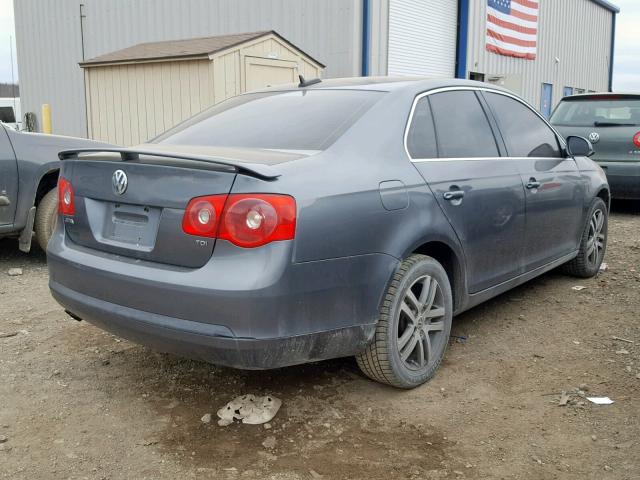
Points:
(306, 83)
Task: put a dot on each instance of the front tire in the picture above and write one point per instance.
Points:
(414, 325)
(46, 218)
(593, 243)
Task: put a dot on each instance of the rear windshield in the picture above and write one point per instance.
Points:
(595, 113)
(289, 120)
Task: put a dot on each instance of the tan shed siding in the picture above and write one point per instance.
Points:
(130, 104)
(583, 49)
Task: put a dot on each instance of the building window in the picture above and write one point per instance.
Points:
(567, 92)
(478, 77)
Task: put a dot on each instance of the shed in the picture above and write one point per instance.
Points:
(134, 94)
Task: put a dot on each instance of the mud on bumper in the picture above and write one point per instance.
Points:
(211, 343)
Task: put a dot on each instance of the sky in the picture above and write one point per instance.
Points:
(626, 73)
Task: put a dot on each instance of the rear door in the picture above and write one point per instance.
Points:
(452, 144)
(554, 187)
(8, 180)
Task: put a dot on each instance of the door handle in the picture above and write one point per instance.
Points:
(533, 183)
(453, 195)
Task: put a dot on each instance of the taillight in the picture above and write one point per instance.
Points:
(246, 220)
(202, 215)
(251, 220)
(636, 139)
(66, 202)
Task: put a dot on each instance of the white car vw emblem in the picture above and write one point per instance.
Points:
(119, 182)
(594, 137)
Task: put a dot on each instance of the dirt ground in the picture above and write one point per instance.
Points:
(76, 402)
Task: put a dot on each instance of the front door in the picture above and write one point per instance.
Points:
(553, 184)
(453, 146)
(8, 180)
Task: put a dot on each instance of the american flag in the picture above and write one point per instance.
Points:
(512, 27)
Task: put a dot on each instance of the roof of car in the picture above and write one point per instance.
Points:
(413, 83)
(602, 96)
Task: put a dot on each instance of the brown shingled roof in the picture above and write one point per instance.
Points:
(189, 48)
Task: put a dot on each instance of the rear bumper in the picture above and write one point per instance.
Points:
(246, 310)
(623, 178)
(212, 343)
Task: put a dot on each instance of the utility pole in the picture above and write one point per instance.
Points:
(13, 83)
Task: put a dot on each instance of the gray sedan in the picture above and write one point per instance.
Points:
(346, 217)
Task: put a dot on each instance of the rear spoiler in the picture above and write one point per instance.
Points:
(263, 172)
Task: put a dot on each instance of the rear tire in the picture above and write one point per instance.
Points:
(414, 325)
(593, 243)
(46, 218)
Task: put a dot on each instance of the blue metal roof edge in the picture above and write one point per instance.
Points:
(608, 5)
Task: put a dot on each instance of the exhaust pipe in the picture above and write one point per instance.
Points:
(73, 315)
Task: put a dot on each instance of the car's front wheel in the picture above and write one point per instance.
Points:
(414, 325)
(593, 243)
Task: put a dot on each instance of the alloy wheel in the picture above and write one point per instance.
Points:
(421, 324)
(596, 237)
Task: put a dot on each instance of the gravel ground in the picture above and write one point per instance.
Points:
(76, 402)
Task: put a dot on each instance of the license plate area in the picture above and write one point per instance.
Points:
(124, 225)
(132, 224)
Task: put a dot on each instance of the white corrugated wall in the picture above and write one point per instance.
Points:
(422, 37)
(575, 32)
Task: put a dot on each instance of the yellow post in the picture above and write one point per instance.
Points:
(46, 118)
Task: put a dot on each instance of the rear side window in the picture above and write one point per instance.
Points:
(605, 111)
(421, 139)
(524, 133)
(283, 120)
(462, 128)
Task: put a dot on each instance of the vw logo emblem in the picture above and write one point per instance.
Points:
(119, 182)
(594, 137)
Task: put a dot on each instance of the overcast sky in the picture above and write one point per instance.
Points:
(627, 58)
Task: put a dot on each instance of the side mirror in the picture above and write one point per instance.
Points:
(579, 146)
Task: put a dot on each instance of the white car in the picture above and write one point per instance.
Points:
(11, 113)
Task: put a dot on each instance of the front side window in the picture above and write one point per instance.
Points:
(462, 128)
(281, 120)
(593, 112)
(524, 133)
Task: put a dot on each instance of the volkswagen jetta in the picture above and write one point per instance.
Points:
(346, 217)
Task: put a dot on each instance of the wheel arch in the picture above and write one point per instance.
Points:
(605, 195)
(453, 264)
(47, 182)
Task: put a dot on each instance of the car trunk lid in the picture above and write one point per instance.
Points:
(610, 143)
(143, 219)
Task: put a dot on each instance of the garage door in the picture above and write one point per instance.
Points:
(265, 72)
(422, 37)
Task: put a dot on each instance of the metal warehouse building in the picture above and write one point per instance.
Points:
(558, 46)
